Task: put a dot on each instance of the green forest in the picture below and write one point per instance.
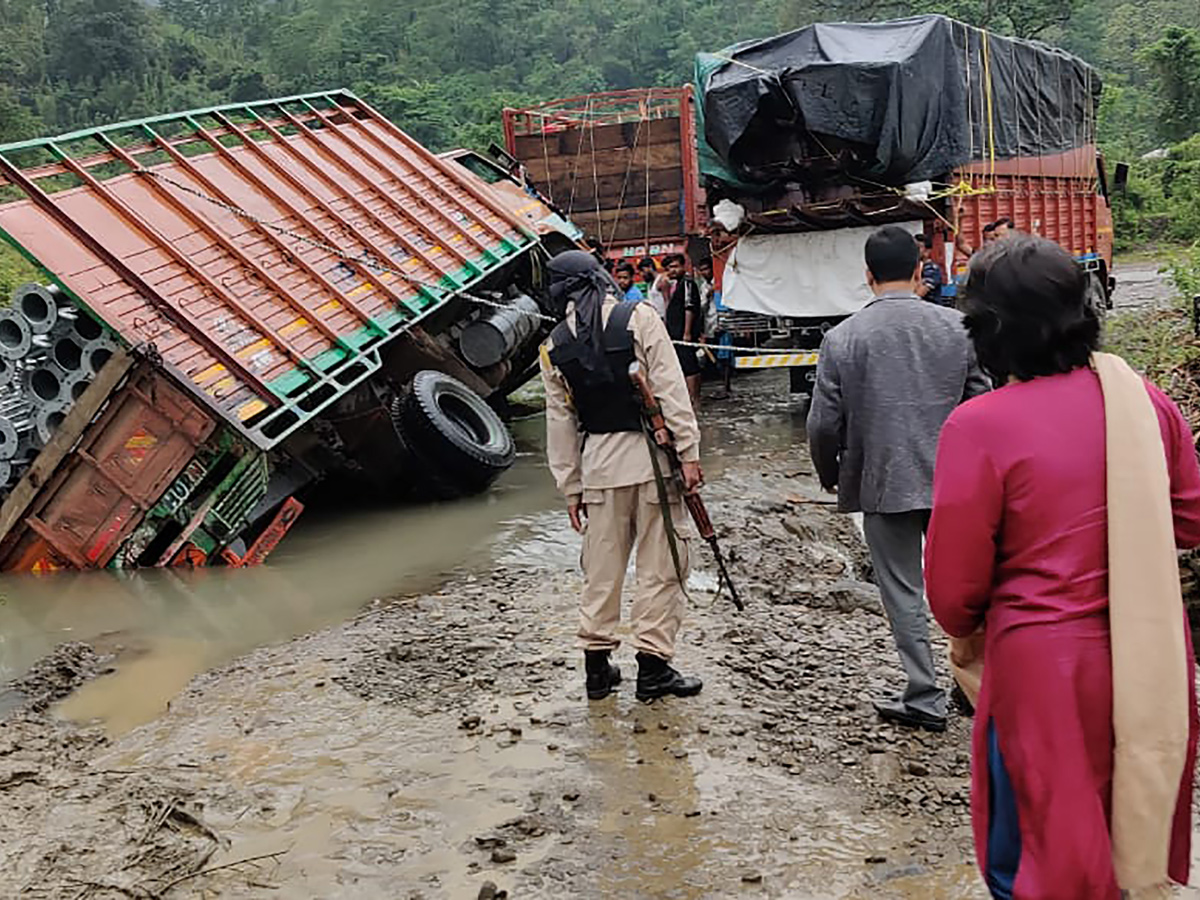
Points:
(444, 70)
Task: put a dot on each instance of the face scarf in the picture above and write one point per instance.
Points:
(577, 279)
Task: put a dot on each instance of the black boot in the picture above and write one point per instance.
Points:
(603, 676)
(657, 679)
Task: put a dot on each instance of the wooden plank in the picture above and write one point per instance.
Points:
(664, 220)
(633, 213)
(661, 159)
(602, 137)
(633, 200)
(77, 419)
(663, 156)
(619, 135)
(632, 184)
(567, 193)
(660, 229)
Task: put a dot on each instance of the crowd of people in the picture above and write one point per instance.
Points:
(685, 301)
(1028, 488)
(689, 304)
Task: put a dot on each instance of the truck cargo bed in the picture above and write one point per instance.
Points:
(621, 164)
(266, 250)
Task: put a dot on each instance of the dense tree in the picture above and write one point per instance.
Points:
(1176, 61)
(439, 64)
(96, 41)
(444, 69)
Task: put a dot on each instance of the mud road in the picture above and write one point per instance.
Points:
(1141, 285)
(438, 744)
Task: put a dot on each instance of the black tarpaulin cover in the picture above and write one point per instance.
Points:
(901, 101)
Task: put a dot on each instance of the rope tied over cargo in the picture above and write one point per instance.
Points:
(642, 118)
(738, 62)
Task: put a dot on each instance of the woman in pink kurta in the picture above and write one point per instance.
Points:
(1018, 544)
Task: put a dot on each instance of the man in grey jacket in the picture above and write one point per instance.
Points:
(887, 379)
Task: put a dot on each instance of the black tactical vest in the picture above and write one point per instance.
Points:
(604, 406)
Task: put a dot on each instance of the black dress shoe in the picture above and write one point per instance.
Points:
(603, 675)
(910, 718)
(656, 678)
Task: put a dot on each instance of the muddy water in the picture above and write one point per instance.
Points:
(635, 801)
(375, 800)
(166, 626)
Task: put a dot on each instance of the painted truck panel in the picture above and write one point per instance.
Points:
(1059, 197)
(126, 457)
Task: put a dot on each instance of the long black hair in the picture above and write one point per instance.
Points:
(1027, 310)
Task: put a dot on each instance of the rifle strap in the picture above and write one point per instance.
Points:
(664, 501)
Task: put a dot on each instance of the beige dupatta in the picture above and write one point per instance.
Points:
(1149, 654)
(1145, 612)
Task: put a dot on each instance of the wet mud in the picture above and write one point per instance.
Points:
(439, 745)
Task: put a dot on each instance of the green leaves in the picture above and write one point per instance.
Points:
(1175, 59)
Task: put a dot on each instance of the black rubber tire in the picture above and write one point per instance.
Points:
(1097, 297)
(802, 380)
(454, 434)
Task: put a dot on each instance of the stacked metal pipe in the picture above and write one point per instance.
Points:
(50, 351)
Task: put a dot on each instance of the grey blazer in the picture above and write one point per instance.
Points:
(887, 379)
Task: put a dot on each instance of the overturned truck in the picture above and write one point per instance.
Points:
(245, 307)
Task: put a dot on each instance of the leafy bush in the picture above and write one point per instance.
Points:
(1162, 199)
(1185, 273)
(15, 270)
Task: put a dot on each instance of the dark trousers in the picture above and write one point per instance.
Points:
(1004, 833)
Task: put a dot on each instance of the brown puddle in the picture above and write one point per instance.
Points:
(166, 626)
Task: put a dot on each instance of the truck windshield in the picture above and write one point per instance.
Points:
(477, 165)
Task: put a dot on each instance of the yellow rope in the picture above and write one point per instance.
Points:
(987, 79)
(970, 94)
(595, 175)
(646, 217)
(575, 168)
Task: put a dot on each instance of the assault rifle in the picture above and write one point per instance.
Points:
(659, 435)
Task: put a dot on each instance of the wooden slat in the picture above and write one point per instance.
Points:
(633, 200)
(631, 184)
(77, 419)
(602, 137)
(663, 156)
(631, 223)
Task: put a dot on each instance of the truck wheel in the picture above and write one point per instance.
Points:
(453, 433)
(801, 380)
(1096, 296)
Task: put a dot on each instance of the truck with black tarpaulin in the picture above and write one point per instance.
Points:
(811, 139)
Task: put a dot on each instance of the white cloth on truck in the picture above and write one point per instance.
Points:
(810, 273)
